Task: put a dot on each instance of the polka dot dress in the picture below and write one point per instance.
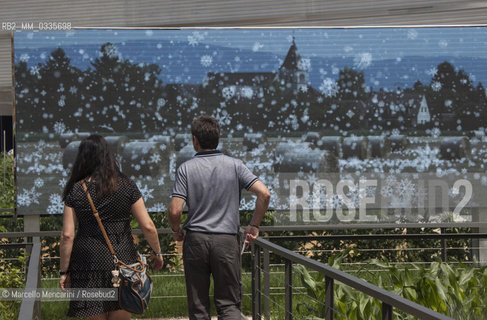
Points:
(91, 262)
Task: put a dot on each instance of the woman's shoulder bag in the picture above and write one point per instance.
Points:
(132, 280)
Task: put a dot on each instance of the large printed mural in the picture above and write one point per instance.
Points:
(387, 121)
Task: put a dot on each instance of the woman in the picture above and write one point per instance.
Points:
(86, 261)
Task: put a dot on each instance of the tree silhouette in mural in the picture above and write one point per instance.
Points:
(122, 96)
(115, 96)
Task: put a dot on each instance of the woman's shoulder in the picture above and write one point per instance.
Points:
(128, 188)
(125, 182)
(77, 186)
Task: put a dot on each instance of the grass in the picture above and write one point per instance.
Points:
(169, 296)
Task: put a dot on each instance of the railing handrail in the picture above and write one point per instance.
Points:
(385, 236)
(316, 227)
(55, 233)
(354, 282)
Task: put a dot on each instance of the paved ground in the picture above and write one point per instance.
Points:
(181, 318)
(212, 318)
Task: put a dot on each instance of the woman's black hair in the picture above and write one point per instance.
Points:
(95, 160)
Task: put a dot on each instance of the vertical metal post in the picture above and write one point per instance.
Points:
(482, 213)
(386, 311)
(4, 155)
(267, 283)
(256, 288)
(30, 307)
(32, 223)
(443, 246)
(329, 297)
(474, 242)
(288, 280)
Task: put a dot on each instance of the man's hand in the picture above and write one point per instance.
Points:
(157, 262)
(178, 235)
(251, 233)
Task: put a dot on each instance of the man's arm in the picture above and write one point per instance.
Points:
(261, 205)
(175, 213)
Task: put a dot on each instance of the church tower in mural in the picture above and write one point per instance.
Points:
(293, 72)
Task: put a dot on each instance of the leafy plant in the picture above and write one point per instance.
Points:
(349, 303)
(7, 181)
(12, 275)
(457, 292)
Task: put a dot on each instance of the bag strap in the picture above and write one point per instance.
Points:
(97, 217)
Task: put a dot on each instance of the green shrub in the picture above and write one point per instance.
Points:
(12, 275)
(7, 181)
(458, 292)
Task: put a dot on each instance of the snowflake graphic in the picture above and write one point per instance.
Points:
(228, 92)
(192, 41)
(257, 46)
(161, 181)
(62, 182)
(335, 201)
(436, 86)
(24, 57)
(443, 44)
(386, 192)
(56, 204)
(435, 132)
(110, 51)
(247, 92)
(195, 38)
(34, 71)
(145, 191)
(39, 183)
(412, 34)
(73, 90)
(59, 127)
(155, 158)
(222, 116)
(406, 188)
(432, 72)
(304, 64)
(161, 103)
(353, 197)
(362, 60)
(34, 195)
(23, 199)
(329, 87)
(206, 61)
(157, 207)
(61, 101)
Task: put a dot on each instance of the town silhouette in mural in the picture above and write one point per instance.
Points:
(124, 96)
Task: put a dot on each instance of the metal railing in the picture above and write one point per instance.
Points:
(261, 250)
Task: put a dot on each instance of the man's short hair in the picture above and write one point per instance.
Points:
(206, 130)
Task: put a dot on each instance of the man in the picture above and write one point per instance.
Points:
(211, 184)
